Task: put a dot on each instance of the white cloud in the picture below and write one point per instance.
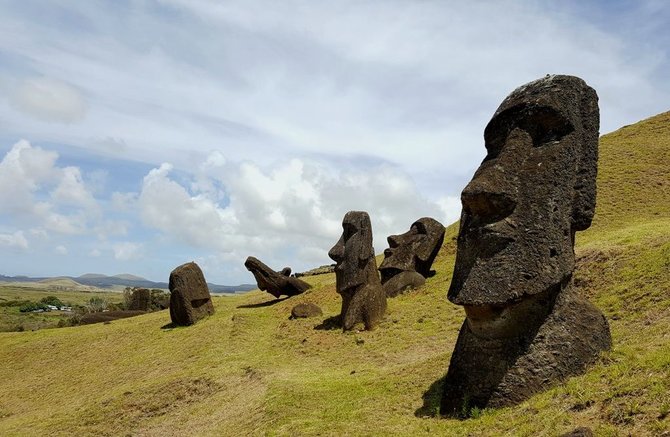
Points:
(23, 170)
(61, 250)
(95, 253)
(14, 240)
(34, 188)
(49, 99)
(127, 251)
(290, 213)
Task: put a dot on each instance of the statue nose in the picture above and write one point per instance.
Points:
(336, 253)
(392, 240)
(487, 202)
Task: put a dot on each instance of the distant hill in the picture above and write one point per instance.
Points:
(97, 280)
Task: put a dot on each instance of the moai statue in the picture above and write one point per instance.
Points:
(275, 283)
(190, 300)
(409, 257)
(363, 299)
(526, 325)
(140, 299)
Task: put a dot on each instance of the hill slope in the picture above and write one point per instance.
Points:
(250, 370)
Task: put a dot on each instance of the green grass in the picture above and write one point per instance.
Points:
(248, 370)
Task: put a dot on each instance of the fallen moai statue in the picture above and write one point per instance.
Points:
(356, 276)
(409, 257)
(190, 300)
(276, 283)
(526, 326)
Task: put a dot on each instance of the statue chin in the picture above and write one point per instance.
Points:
(512, 319)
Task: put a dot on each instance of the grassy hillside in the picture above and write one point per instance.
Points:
(248, 370)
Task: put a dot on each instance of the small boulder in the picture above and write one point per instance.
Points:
(304, 310)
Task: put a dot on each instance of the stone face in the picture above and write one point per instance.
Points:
(305, 310)
(190, 300)
(275, 283)
(357, 279)
(526, 326)
(409, 257)
(140, 300)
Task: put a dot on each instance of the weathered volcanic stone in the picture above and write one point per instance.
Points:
(409, 257)
(304, 310)
(526, 325)
(190, 300)
(356, 276)
(275, 283)
(140, 300)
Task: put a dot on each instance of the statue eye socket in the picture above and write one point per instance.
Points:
(349, 230)
(420, 228)
(544, 124)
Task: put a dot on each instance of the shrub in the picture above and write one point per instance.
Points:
(97, 304)
(52, 300)
(32, 306)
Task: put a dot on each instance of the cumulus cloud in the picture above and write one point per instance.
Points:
(14, 240)
(49, 99)
(290, 213)
(34, 188)
(61, 250)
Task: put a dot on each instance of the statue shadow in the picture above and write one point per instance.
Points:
(329, 324)
(431, 400)
(267, 303)
(169, 326)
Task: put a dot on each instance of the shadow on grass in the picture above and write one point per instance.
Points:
(329, 324)
(264, 304)
(431, 400)
(170, 326)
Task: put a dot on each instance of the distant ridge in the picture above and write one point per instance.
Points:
(122, 280)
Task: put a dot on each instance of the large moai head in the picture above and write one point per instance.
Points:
(415, 250)
(276, 283)
(190, 300)
(527, 327)
(356, 275)
(353, 251)
(535, 188)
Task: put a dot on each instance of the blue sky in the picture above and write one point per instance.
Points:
(138, 135)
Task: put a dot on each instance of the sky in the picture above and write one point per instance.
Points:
(139, 135)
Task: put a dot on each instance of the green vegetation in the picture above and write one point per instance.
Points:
(14, 299)
(248, 370)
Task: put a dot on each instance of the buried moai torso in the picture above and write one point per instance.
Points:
(190, 300)
(140, 300)
(363, 300)
(409, 257)
(275, 283)
(526, 326)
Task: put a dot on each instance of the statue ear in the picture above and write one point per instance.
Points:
(584, 200)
